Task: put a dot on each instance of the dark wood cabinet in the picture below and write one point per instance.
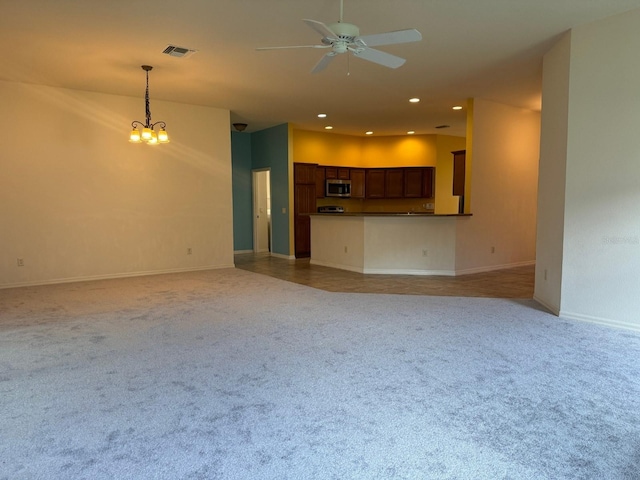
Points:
(304, 203)
(341, 173)
(357, 176)
(304, 173)
(320, 182)
(374, 183)
(428, 182)
(459, 160)
(394, 183)
(413, 182)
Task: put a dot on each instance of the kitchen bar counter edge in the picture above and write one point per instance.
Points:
(391, 214)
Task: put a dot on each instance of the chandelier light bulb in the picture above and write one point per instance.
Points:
(135, 136)
(163, 137)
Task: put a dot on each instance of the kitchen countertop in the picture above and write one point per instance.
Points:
(392, 214)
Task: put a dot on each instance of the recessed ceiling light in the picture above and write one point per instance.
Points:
(457, 107)
(324, 115)
(328, 127)
(368, 133)
(414, 100)
(410, 132)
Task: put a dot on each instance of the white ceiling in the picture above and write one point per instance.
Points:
(471, 48)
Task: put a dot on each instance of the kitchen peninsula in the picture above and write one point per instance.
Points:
(386, 243)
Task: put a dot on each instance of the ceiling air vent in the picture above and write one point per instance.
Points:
(181, 52)
(443, 126)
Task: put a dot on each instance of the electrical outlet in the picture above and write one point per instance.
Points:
(284, 210)
(345, 249)
(189, 251)
(21, 262)
(425, 253)
(493, 249)
(545, 273)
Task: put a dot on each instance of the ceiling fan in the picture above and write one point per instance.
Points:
(341, 37)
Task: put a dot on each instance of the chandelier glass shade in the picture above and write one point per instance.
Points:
(145, 132)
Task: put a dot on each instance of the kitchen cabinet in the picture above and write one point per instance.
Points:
(428, 182)
(304, 173)
(375, 182)
(459, 160)
(418, 182)
(394, 183)
(320, 182)
(413, 182)
(357, 176)
(341, 173)
(304, 203)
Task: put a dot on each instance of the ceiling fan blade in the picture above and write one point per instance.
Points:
(321, 28)
(293, 46)
(382, 58)
(324, 61)
(389, 38)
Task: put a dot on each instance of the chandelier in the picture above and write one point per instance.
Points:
(148, 133)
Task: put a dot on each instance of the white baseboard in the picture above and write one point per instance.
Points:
(238, 252)
(600, 321)
(335, 265)
(552, 309)
(491, 268)
(409, 271)
(112, 276)
(280, 255)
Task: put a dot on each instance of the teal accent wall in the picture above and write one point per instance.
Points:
(242, 191)
(270, 149)
(267, 148)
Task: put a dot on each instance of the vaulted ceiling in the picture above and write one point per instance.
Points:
(470, 48)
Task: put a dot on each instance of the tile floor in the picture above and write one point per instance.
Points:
(515, 282)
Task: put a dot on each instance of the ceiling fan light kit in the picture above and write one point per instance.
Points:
(342, 37)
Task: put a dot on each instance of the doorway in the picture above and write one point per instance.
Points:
(261, 180)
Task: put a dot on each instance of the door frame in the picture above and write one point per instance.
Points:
(254, 208)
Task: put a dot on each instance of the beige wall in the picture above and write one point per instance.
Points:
(553, 174)
(504, 180)
(601, 150)
(77, 201)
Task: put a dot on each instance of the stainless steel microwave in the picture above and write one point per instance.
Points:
(338, 188)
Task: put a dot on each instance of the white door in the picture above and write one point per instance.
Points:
(261, 211)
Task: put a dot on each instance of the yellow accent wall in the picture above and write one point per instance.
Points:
(402, 151)
(327, 149)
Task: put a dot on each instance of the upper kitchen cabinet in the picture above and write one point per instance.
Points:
(304, 173)
(357, 176)
(413, 182)
(340, 173)
(320, 182)
(459, 160)
(375, 181)
(418, 182)
(394, 183)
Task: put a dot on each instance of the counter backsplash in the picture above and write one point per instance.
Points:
(418, 205)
